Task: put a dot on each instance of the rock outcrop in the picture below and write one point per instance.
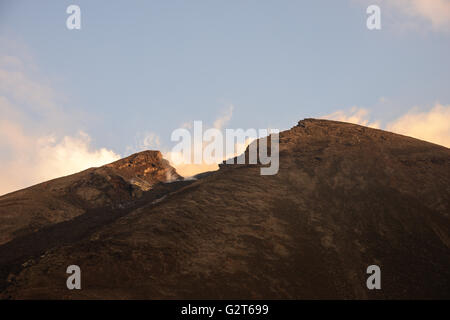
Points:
(116, 184)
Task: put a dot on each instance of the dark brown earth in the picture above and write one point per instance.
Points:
(345, 197)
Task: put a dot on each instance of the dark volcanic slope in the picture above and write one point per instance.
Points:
(62, 199)
(345, 197)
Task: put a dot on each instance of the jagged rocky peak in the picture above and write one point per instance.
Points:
(139, 160)
(144, 169)
(303, 123)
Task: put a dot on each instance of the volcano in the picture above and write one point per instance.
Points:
(345, 197)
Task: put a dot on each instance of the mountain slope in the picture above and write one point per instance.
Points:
(62, 199)
(345, 197)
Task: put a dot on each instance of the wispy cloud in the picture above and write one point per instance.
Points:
(432, 125)
(221, 121)
(191, 169)
(33, 147)
(354, 115)
(436, 12)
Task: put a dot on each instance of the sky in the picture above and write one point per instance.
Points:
(138, 70)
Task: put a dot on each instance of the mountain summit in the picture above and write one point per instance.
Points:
(346, 197)
(144, 169)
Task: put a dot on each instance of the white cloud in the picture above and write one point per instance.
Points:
(191, 169)
(436, 12)
(220, 122)
(354, 115)
(10, 61)
(432, 125)
(150, 140)
(33, 147)
(35, 159)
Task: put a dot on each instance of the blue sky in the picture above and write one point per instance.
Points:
(139, 67)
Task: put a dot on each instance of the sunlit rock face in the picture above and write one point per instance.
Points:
(144, 169)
